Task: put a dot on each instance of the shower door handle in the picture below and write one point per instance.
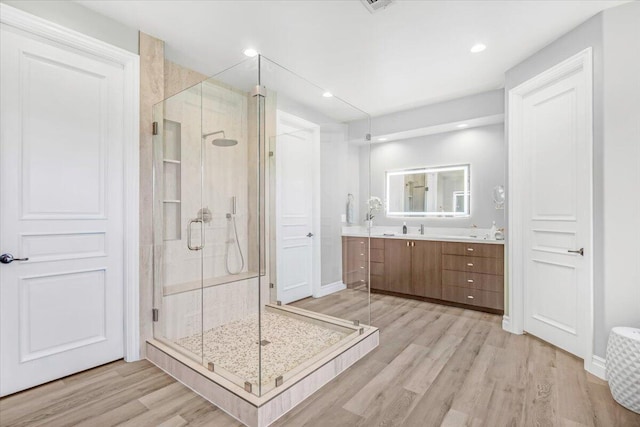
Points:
(189, 245)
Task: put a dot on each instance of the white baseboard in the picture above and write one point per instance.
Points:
(506, 323)
(329, 289)
(510, 326)
(597, 367)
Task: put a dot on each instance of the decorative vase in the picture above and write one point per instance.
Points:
(623, 366)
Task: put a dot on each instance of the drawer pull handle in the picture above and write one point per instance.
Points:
(361, 267)
(362, 254)
(469, 264)
(470, 296)
(470, 249)
(470, 280)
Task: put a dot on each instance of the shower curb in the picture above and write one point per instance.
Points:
(247, 408)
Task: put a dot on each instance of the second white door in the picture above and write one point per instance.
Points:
(552, 138)
(296, 204)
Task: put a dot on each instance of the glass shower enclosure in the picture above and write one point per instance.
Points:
(252, 172)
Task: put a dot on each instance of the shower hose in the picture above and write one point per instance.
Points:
(232, 220)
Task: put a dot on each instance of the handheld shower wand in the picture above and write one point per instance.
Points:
(231, 217)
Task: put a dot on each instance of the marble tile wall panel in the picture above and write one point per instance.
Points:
(151, 92)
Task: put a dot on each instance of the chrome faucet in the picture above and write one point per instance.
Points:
(422, 229)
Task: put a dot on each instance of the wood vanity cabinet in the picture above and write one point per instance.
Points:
(376, 265)
(473, 274)
(425, 268)
(397, 266)
(354, 261)
(410, 267)
(465, 274)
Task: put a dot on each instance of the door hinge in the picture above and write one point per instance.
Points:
(154, 128)
(271, 286)
(154, 314)
(259, 90)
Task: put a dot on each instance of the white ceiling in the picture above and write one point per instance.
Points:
(411, 54)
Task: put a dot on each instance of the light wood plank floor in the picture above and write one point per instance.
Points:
(435, 366)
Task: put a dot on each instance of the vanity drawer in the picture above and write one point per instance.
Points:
(486, 250)
(463, 279)
(474, 297)
(473, 264)
(377, 243)
(377, 255)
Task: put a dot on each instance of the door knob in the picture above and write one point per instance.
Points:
(310, 235)
(579, 251)
(8, 259)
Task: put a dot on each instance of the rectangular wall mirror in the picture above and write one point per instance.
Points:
(429, 191)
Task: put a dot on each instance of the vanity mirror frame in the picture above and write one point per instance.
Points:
(466, 168)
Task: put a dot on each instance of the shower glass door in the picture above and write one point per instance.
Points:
(207, 225)
(179, 222)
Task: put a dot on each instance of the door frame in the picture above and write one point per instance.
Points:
(514, 322)
(290, 123)
(130, 63)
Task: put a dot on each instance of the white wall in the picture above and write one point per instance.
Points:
(79, 18)
(615, 42)
(469, 107)
(339, 176)
(482, 147)
(621, 155)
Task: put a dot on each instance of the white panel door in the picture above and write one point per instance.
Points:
(295, 231)
(61, 185)
(557, 214)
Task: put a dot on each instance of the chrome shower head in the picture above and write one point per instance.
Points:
(224, 142)
(221, 142)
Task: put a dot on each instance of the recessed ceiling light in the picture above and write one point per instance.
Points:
(462, 125)
(478, 47)
(383, 139)
(327, 94)
(250, 52)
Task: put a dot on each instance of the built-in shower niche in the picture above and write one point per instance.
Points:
(171, 165)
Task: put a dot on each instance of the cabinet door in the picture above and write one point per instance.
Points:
(426, 268)
(397, 266)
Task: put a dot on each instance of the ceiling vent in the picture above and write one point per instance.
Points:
(374, 6)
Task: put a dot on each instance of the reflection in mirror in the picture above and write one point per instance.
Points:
(433, 191)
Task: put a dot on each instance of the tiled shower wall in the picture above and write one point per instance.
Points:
(151, 92)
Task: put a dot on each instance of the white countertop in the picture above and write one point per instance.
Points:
(433, 234)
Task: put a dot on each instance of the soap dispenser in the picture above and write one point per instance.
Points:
(404, 228)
